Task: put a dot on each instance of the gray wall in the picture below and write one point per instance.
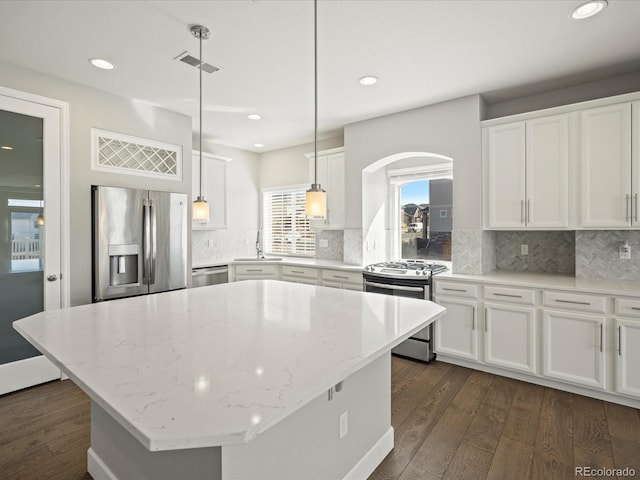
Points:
(92, 108)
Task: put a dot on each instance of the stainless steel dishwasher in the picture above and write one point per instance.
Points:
(209, 275)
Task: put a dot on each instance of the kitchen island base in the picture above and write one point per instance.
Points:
(304, 445)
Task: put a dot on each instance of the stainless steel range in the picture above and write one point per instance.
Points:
(406, 278)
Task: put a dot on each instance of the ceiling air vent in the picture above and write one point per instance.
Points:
(195, 62)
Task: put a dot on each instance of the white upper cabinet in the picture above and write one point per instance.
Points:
(331, 178)
(606, 167)
(526, 174)
(214, 188)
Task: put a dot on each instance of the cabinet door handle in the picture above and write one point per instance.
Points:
(528, 216)
(636, 202)
(619, 340)
(507, 295)
(627, 205)
(601, 336)
(485, 320)
(454, 289)
(572, 302)
(521, 211)
(473, 318)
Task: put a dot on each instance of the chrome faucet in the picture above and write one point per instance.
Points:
(259, 246)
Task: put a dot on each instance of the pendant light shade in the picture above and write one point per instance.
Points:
(200, 205)
(316, 197)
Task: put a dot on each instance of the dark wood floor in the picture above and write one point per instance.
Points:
(450, 423)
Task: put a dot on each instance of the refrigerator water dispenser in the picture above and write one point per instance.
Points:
(123, 264)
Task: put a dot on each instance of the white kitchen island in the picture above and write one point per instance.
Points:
(247, 380)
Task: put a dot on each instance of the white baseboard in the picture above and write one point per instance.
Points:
(27, 373)
(96, 467)
(370, 461)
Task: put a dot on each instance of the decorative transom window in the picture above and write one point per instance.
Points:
(116, 152)
(286, 227)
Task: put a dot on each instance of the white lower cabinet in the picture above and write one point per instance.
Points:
(573, 347)
(457, 331)
(342, 279)
(296, 274)
(510, 335)
(628, 357)
(256, 271)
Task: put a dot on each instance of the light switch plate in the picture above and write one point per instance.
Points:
(324, 243)
(524, 249)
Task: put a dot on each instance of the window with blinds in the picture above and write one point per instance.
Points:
(286, 227)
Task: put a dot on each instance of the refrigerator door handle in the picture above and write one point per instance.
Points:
(152, 257)
(146, 250)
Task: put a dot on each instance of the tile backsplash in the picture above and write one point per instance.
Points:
(330, 244)
(548, 251)
(598, 254)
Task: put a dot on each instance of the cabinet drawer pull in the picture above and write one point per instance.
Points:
(507, 295)
(296, 271)
(454, 289)
(473, 318)
(572, 302)
(254, 269)
(340, 276)
(601, 337)
(635, 308)
(619, 340)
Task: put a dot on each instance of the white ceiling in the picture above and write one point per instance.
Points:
(423, 51)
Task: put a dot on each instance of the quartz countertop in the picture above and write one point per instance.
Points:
(298, 261)
(550, 280)
(218, 365)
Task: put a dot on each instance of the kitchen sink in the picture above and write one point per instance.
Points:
(258, 259)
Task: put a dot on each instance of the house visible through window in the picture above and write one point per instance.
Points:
(425, 219)
(286, 229)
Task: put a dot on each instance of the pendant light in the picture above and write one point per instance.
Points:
(200, 205)
(316, 198)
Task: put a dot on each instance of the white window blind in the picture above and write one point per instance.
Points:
(286, 227)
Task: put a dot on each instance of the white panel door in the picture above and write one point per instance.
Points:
(573, 348)
(505, 175)
(605, 161)
(30, 215)
(547, 177)
(456, 332)
(628, 357)
(510, 336)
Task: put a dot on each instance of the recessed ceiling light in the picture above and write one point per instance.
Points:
(254, 116)
(6, 147)
(368, 80)
(258, 145)
(101, 63)
(589, 9)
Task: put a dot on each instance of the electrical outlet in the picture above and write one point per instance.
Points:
(324, 243)
(625, 251)
(524, 249)
(344, 424)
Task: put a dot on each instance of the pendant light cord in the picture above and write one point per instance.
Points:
(315, 87)
(200, 136)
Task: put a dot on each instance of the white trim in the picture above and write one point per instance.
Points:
(370, 461)
(97, 133)
(97, 468)
(573, 107)
(27, 373)
(212, 156)
(329, 151)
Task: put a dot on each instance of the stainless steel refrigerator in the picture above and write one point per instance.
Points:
(139, 242)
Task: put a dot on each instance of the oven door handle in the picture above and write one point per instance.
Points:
(394, 287)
